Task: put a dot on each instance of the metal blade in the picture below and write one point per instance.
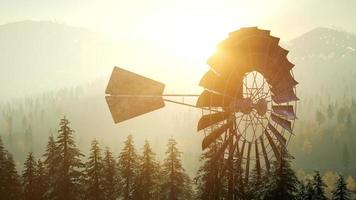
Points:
(282, 83)
(123, 82)
(284, 123)
(223, 62)
(285, 97)
(273, 145)
(210, 99)
(277, 56)
(265, 154)
(286, 111)
(215, 135)
(125, 107)
(222, 149)
(211, 119)
(277, 134)
(227, 84)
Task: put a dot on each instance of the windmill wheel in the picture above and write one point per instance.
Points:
(249, 99)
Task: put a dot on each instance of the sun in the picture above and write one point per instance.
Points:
(192, 36)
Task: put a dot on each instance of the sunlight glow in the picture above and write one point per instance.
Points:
(189, 35)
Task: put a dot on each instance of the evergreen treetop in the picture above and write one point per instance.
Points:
(341, 192)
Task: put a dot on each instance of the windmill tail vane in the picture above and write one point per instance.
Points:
(248, 102)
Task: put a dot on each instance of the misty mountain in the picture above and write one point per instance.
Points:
(37, 56)
(325, 62)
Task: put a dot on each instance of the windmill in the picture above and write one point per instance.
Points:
(248, 103)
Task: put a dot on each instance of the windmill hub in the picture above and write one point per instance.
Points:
(246, 105)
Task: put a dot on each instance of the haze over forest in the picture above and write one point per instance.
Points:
(49, 70)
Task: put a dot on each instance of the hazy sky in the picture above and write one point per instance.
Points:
(121, 18)
(184, 32)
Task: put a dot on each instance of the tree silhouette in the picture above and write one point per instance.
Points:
(174, 182)
(318, 187)
(309, 191)
(93, 173)
(67, 185)
(41, 181)
(13, 189)
(302, 192)
(110, 179)
(210, 177)
(29, 178)
(283, 182)
(330, 112)
(51, 167)
(341, 192)
(320, 117)
(146, 183)
(127, 167)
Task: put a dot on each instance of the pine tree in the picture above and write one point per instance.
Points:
(13, 189)
(349, 121)
(110, 181)
(146, 183)
(41, 181)
(29, 178)
(309, 191)
(318, 187)
(188, 192)
(51, 167)
(68, 175)
(3, 158)
(302, 192)
(210, 177)
(174, 183)
(127, 168)
(341, 192)
(256, 188)
(93, 173)
(283, 182)
(330, 112)
(320, 117)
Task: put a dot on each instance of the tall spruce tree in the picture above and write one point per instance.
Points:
(51, 167)
(318, 187)
(13, 189)
(69, 173)
(3, 158)
(174, 176)
(309, 190)
(110, 179)
(93, 173)
(256, 187)
(10, 186)
(283, 181)
(41, 181)
(127, 168)
(147, 181)
(341, 192)
(302, 193)
(210, 177)
(29, 178)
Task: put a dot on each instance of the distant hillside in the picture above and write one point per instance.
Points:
(38, 56)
